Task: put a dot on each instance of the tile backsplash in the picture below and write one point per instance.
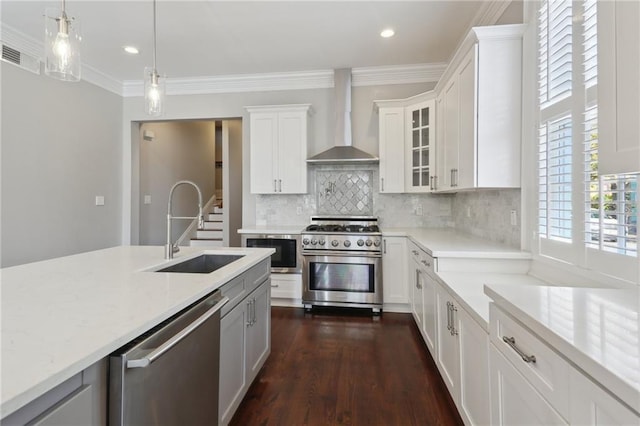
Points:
(353, 190)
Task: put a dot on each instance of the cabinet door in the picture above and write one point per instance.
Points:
(592, 406)
(450, 135)
(474, 371)
(292, 152)
(618, 87)
(263, 152)
(233, 375)
(394, 270)
(391, 147)
(447, 347)
(513, 400)
(76, 409)
(417, 304)
(440, 144)
(420, 146)
(259, 331)
(429, 298)
(465, 174)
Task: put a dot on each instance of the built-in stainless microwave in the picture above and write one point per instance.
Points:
(288, 256)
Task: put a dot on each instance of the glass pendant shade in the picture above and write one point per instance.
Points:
(62, 45)
(154, 92)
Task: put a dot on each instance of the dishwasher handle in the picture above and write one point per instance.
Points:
(160, 350)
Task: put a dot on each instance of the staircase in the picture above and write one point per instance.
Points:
(213, 233)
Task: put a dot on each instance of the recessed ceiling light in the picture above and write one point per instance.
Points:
(387, 33)
(131, 50)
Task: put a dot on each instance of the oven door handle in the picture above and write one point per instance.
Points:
(340, 254)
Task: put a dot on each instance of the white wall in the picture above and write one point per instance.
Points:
(181, 150)
(61, 147)
(230, 105)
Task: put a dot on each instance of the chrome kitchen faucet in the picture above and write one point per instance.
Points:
(170, 248)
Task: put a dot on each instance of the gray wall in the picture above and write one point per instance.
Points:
(181, 150)
(61, 147)
(230, 105)
(232, 171)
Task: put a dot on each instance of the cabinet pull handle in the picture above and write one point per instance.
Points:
(418, 286)
(431, 183)
(254, 311)
(454, 330)
(511, 341)
(279, 185)
(449, 316)
(249, 313)
(275, 185)
(275, 285)
(385, 246)
(435, 183)
(381, 184)
(426, 263)
(415, 252)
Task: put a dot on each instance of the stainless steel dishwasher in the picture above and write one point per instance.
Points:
(169, 375)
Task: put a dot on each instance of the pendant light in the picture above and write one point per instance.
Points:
(62, 44)
(154, 84)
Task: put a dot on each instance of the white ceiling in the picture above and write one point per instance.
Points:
(213, 38)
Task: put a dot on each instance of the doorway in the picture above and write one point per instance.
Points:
(207, 152)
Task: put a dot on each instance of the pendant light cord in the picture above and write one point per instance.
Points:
(154, 37)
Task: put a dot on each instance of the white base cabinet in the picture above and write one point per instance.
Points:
(245, 344)
(592, 406)
(395, 291)
(514, 401)
(457, 343)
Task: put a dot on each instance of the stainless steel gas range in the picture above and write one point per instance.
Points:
(342, 262)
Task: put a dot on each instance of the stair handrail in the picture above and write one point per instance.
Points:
(192, 229)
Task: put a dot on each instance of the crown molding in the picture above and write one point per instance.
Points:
(238, 83)
(403, 74)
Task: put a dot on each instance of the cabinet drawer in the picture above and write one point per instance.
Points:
(424, 259)
(548, 373)
(256, 275)
(286, 286)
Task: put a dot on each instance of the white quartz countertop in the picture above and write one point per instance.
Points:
(62, 315)
(272, 229)
(597, 329)
(468, 289)
(452, 244)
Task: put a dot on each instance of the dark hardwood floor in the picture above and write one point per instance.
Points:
(342, 367)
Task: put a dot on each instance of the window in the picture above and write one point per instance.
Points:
(567, 143)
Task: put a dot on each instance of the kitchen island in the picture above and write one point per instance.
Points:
(61, 316)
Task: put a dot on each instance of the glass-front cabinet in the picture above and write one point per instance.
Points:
(407, 136)
(420, 147)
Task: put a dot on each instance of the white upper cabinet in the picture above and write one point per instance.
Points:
(391, 151)
(278, 149)
(407, 143)
(480, 107)
(618, 87)
(420, 149)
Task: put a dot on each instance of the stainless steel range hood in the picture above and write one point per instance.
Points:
(343, 150)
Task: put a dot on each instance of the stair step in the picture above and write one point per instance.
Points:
(205, 242)
(210, 224)
(209, 233)
(215, 217)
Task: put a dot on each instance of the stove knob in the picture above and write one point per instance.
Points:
(360, 242)
(314, 241)
(368, 243)
(347, 243)
(335, 243)
(376, 243)
(321, 242)
(305, 241)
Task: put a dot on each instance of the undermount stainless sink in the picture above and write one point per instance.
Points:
(202, 264)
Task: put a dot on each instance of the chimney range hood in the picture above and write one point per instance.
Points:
(343, 151)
